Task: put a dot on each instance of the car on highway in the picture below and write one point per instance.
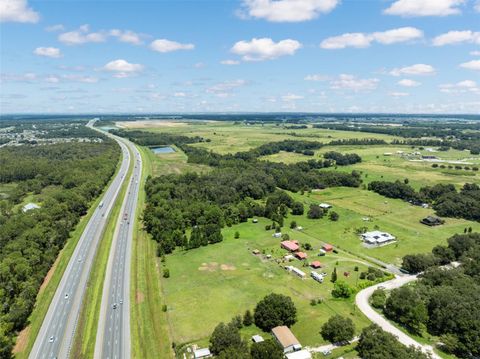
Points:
(114, 306)
(51, 339)
(100, 205)
(66, 295)
(125, 216)
(121, 301)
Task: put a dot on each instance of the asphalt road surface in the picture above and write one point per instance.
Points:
(113, 332)
(56, 334)
(362, 303)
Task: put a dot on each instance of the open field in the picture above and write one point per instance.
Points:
(227, 137)
(390, 215)
(229, 278)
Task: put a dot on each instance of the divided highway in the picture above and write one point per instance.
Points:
(56, 334)
(113, 332)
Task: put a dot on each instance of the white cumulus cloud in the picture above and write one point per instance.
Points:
(48, 52)
(471, 65)
(265, 49)
(460, 87)
(353, 83)
(54, 28)
(362, 40)
(225, 89)
(127, 36)
(408, 83)
(316, 77)
(230, 62)
(122, 68)
(399, 94)
(291, 97)
(410, 8)
(417, 69)
(82, 36)
(164, 45)
(17, 11)
(287, 10)
(457, 37)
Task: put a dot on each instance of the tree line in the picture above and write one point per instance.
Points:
(446, 200)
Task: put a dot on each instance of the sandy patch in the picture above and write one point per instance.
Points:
(22, 339)
(149, 123)
(139, 297)
(227, 267)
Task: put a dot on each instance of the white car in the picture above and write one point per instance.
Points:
(51, 339)
(66, 295)
(327, 352)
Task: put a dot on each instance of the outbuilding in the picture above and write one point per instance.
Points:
(316, 264)
(289, 246)
(30, 206)
(377, 237)
(432, 221)
(301, 255)
(257, 338)
(327, 247)
(325, 205)
(286, 339)
(301, 354)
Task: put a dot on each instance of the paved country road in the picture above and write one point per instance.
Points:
(113, 332)
(362, 303)
(55, 338)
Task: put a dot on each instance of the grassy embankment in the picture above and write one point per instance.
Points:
(84, 343)
(26, 338)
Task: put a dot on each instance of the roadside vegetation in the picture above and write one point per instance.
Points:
(63, 180)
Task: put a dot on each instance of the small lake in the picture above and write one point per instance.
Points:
(161, 150)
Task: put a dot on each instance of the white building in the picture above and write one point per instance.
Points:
(202, 353)
(257, 338)
(296, 271)
(377, 237)
(316, 276)
(30, 206)
(325, 205)
(286, 339)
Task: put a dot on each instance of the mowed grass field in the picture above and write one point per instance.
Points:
(390, 215)
(212, 284)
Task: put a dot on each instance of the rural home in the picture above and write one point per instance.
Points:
(202, 353)
(289, 246)
(286, 339)
(302, 354)
(432, 221)
(296, 271)
(377, 237)
(316, 264)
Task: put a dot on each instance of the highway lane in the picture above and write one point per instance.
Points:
(56, 334)
(113, 332)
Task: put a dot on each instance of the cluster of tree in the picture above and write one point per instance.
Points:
(273, 310)
(342, 159)
(305, 147)
(445, 300)
(457, 167)
(145, 138)
(446, 200)
(374, 343)
(75, 175)
(357, 142)
(372, 274)
(229, 194)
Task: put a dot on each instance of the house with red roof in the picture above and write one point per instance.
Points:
(289, 246)
(301, 255)
(316, 264)
(327, 247)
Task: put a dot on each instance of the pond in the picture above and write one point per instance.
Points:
(161, 150)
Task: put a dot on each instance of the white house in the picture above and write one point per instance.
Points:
(296, 271)
(325, 205)
(202, 353)
(377, 237)
(316, 276)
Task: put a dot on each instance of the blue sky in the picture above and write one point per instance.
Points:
(407, 56)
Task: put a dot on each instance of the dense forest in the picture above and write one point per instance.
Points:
(446, 200)
(342, 159)
(239, 187)
(445, 300)
(65, 179)
(145, 138)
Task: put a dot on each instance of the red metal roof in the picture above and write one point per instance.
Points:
(316, 264)
(301, 255)
(289, 245)
(327, 247)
